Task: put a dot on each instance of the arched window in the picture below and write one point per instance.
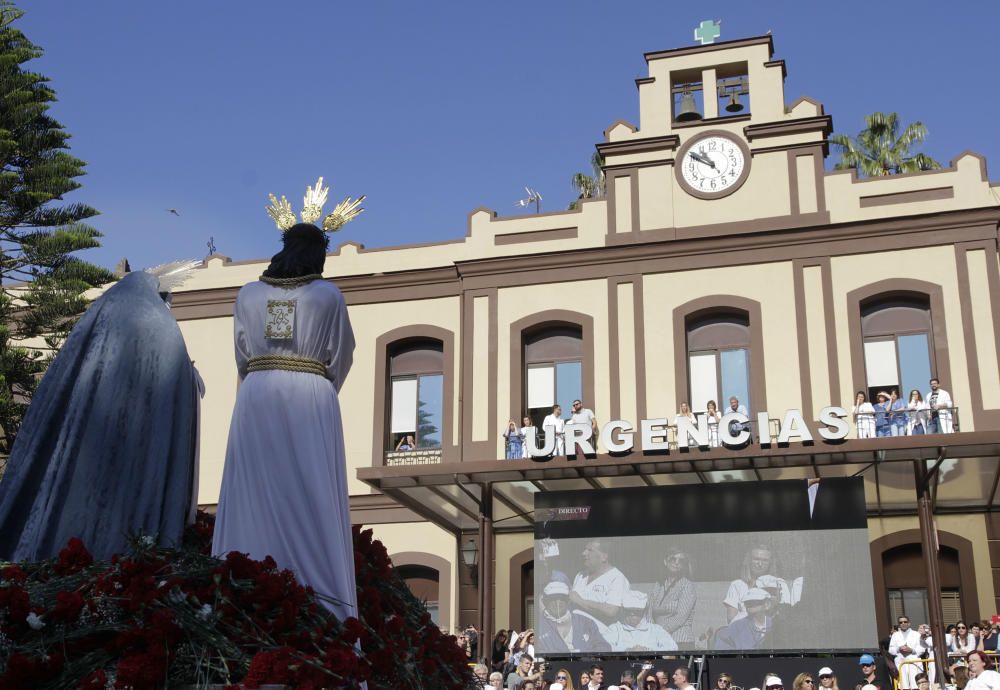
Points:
(897, 344)
(423, 583)
(718, 350)
(906, 585)
(416, 393)
(553, 369)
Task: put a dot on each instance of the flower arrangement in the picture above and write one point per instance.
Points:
(163, 618)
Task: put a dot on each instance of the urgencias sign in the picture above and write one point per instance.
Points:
(732, 431)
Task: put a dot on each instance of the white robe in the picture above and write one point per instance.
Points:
(907, 672)
(284, 487)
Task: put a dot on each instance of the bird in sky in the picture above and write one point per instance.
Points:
(174, 211)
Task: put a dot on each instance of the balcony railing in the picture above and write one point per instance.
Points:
(907, 423)
(419, 456)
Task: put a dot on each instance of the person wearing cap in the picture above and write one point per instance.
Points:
(561, 631)
(773, 682)
(883, 427)
(904, 645)
(748, 632)
(827, 679)
(870, 678)
(778, 588)
(635, 633)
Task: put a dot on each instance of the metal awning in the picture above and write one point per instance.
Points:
(966, 473)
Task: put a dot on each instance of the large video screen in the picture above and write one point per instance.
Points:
(771, 566)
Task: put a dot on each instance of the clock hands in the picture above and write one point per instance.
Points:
(702, 158)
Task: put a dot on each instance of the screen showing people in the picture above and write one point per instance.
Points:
(766, 566)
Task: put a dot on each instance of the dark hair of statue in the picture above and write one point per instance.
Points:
(304, 252)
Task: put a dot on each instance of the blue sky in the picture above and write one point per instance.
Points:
(436, 108)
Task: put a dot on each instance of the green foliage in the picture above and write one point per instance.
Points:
(41, 283)
(880, 148)
(589, 186)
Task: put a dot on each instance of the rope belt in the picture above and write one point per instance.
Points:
(286, 363)
(289, 283)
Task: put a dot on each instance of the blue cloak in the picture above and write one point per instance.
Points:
(106, 449)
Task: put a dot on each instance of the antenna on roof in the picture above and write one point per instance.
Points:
(533, 198)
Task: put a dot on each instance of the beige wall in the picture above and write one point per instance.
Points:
(210, 346)
(426, 538)
(769, 284)
(662, 205)
(931, 264)
(358, 393)
(971, 527)
(508, 545)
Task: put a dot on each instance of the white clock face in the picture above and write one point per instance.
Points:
(713, 165)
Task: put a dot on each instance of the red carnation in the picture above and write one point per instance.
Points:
(68, 607)
(269, 666)
(73, 558)
(13, 573)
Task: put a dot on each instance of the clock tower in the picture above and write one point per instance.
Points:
(717, 150)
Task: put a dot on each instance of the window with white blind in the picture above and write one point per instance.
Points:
(416, 395)
(553, 361)
(912, 603)
(897, 345)
(718, 348)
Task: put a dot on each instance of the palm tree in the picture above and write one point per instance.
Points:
(880, 149)
(589, 186)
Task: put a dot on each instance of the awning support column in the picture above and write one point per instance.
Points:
(929, 548)
(486, 568)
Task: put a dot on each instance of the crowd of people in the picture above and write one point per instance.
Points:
(972, 670)
(890, 416)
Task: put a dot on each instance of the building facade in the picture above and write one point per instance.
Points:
(723, 261)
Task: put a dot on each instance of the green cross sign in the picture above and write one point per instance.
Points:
(707, 32)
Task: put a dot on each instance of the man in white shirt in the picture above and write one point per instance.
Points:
(636, 634)
(904, 645)
(553, 424)
(585, 416)
(939, 402)
(598, 589)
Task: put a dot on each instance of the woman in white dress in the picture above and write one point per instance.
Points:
(713, 417)
(917, 415)
(284, 487)
(864, 416)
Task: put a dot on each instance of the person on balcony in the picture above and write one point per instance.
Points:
(554, 424)
(939, 402)
(406, 443)
(515, 441)
(713, 417)
(864, 416)
(897, 414)
(917, 415)
(883, 427)
(526, 426)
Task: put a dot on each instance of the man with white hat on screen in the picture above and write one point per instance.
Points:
(561, 631)
(635, 633)
(748, 632)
